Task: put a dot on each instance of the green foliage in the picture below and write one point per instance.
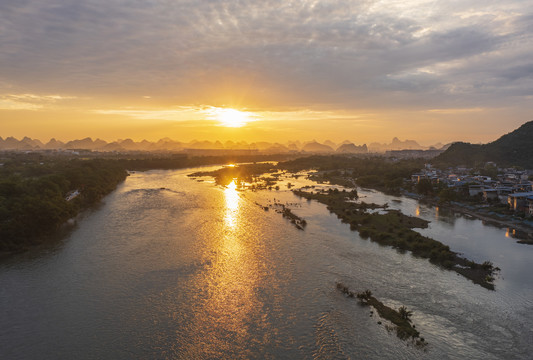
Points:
(33, 197)
(447, 195)
(368, 180)
(247, 172)
(404, 313)
(489, 170)
(395, 229)
(365, 295)
(34, 186)
(370, 171)
(424, 187)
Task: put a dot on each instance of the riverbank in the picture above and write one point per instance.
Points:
(520, 229)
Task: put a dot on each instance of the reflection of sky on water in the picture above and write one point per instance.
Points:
(468, 236)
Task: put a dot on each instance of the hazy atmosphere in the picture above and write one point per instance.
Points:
(265, 71)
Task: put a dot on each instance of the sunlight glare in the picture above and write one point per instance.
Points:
(232, 203)
(231, 117)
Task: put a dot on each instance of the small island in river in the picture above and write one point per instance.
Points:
(393, 228)
(401, 318)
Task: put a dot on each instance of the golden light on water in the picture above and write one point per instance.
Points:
(230, 283)
(417, 211)
(232, 203)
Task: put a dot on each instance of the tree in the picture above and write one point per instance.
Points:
(447, 195)
(424, 187)
(365, 295)
(404, 313)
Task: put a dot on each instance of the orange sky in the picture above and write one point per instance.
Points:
(362, 71)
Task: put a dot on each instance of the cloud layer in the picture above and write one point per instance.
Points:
(348, 55)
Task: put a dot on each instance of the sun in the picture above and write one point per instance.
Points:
(231, 117)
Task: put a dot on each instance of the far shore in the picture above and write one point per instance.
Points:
(505, 222)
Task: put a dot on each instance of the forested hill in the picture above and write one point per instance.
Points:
(513, 149)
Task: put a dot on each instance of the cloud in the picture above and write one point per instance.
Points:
(330, 54)
(29, 101)
(179, 114)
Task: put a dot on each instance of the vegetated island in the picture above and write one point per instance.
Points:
(395, 229)
(401, 318)
(249, 173)
(298, 222)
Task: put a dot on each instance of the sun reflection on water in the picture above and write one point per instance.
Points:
(232, 204)
(231, 282)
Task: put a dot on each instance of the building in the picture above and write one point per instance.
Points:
(519, 201)
(530, 205)
(474, 190)
(490, 194)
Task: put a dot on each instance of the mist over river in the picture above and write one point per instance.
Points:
(172, 268)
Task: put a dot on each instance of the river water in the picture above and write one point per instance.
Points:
(172, 268)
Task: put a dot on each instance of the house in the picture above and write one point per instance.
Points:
(524, 186)
(518, 201)
(490, 194)
(474, 190)
(417, 177)
(503, 193)
(530, 205)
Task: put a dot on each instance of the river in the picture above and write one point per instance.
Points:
(172, 268)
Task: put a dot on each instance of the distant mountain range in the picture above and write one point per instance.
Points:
(513, 149)
(166, 144)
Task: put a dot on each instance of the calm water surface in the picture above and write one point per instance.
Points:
(169, 267)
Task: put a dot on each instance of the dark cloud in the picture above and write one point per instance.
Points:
(345, 54)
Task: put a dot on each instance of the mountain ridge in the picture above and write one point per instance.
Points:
(512, 149)
(167, 144)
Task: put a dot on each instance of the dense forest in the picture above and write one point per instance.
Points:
(34, 193)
